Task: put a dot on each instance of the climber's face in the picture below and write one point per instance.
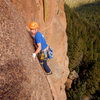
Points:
(34, 31)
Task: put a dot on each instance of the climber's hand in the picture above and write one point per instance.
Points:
(34, 55)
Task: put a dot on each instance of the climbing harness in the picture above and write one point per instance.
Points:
(46, 53)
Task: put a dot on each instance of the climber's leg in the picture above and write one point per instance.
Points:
(46, 67)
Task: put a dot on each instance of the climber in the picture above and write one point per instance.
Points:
(41, 46)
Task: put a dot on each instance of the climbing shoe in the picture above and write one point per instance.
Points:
(49, 73)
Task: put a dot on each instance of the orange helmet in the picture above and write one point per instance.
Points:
(33, 25)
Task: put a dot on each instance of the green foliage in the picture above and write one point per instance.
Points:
(93, 79)
(81, 38)
(91, 13)
(84, 50)
(96, 96)
(77, 92)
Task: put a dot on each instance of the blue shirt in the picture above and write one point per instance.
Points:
(39, 38)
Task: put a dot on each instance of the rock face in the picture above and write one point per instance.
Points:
(73, 75)
(21, 77)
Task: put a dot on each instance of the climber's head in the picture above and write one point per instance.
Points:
(33, 27)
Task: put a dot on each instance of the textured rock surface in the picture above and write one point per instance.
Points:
(20, 77)
(73, 75)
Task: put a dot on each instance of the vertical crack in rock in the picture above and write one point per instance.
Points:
(45, 6)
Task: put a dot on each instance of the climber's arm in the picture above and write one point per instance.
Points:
(38, 48)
